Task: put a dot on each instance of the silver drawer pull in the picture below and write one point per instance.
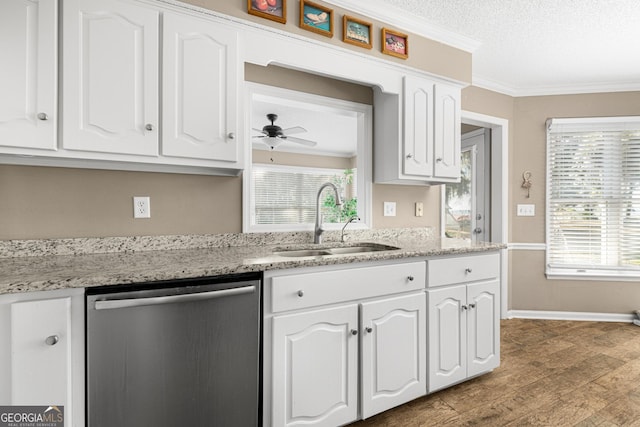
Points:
(43, 116)
(300, 293)
(439, 159)
(149, 127)
(231, 135)
(410, 278)
(369, 329)
(409, 156)
(472, 306)
(467, 270)
(464, 307)
(354, 332)
(52, 340)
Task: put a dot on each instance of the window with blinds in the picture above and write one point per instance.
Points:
(593, 197)
(285, 196)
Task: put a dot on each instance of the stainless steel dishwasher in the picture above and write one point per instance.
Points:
(178, 353)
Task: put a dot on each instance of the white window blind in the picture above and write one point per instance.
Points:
(285, 196)
(593, 197)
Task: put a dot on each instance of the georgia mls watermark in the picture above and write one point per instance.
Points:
(31, 416)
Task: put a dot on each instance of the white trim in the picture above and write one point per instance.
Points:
(499, 191)
(397, 17)
(571, 315)
(527, 247)
(363, 152)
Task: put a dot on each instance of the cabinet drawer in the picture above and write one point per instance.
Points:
(448, 271)
(326, 287)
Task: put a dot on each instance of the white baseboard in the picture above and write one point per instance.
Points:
(570, 315)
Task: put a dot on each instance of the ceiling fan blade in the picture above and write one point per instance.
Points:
(293, 130)
(302, 141)
(259, 131)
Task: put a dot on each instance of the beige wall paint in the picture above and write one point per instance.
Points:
(529, 287)
(424, 54)
(45, 202)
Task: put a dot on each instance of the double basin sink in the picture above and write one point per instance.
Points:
(341, 250)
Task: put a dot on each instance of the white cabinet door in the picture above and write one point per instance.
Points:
(110, 73)
(483, 327)
(28, 77)
(418, 127)
(393, 352)
(40, 346)
(199, 89)
(447, 336)
(447, 132)
(315, 368)
(42, 351)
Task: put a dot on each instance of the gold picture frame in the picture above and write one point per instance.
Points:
(356, 32)
(316, 18)
(395, 43)
(275, 10)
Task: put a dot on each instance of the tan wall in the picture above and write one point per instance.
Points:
(41, 202)
(424, 54)
(530, 290)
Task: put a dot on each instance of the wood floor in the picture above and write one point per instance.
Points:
(552, 373)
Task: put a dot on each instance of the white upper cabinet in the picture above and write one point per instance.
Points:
(418, 127)
(199, 89)
(28, 78)
(417, 133)
(447, 132)
(110, 78)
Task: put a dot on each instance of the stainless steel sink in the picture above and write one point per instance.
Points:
(344, 250)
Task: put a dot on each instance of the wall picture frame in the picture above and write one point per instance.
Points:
(356, 32)
(316, 18)
(395, 43)
(275, 10)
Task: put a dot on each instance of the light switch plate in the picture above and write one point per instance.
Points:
(526, 210)
(389, 208)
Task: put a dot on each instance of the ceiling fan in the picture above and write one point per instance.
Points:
(273, 135)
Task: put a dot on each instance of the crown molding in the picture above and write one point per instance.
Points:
(516, 92)
(409, 23)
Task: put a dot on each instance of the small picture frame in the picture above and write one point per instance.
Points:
(356, 32)
(316, 18)
(395, 43)
(275, 10)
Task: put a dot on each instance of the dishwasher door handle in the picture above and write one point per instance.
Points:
(171, 299)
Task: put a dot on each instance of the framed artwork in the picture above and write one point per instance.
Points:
(316, 18)
(356, 32)
(395, 44)
(276, 10)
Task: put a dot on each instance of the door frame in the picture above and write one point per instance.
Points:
(499, 232)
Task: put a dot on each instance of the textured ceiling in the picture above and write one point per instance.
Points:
(535, 46)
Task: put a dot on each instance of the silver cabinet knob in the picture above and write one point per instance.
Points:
(472, 306)
(231, 135)
(439, 159)
(467, 270)
(464, 307)
(149, 127)
(409, 156)
(300, 293)
(354, 332)
(369, 329)
(410, 278)
(43, 116)
(52, 340)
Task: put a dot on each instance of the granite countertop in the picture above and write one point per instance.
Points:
(78, 263)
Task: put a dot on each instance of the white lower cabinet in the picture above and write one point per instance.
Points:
(393, 350)
(335, 364)
(464, 322)
(42, 351)
(315, 367)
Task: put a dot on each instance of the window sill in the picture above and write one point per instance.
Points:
(593, 275)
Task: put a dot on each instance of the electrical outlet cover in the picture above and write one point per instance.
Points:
(389, 208)
(142, 207)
